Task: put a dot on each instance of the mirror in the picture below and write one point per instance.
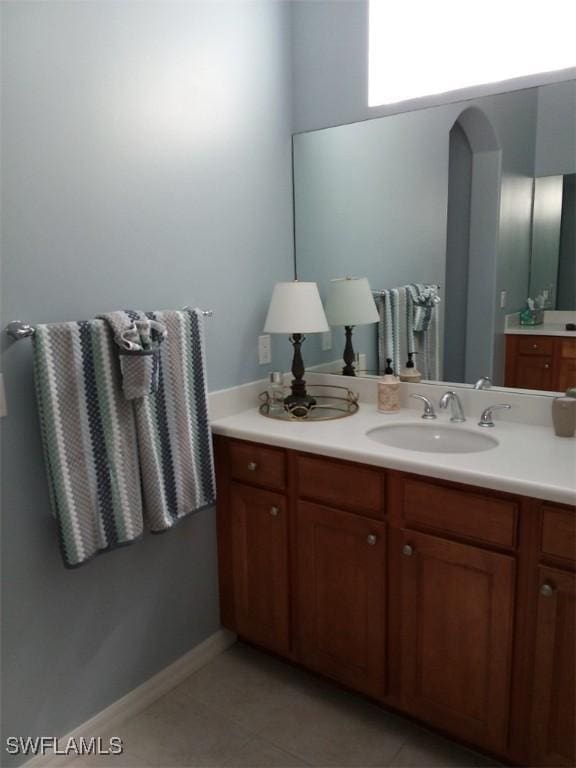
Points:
(476, 198)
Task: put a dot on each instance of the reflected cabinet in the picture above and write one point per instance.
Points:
(452, 604)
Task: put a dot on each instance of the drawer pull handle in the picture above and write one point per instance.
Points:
(407, 550)
(274, 511)
(546, 590)
(534, 346)
(371, 539)
(252, 466)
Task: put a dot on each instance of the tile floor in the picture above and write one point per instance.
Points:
(248, 710)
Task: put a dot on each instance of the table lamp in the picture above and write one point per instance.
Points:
(350, 302)
(296, 308)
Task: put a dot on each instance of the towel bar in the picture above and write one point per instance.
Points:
(18, 330)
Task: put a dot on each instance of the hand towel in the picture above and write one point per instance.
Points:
(138, 339)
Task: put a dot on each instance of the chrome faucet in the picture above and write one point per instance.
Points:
(484, 382)
(486, 419)
(428, 407)
(452, 399)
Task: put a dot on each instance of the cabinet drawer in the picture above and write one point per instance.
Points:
(341, 485)
(479, 518)
(257, 464)
(567, 348)
(536, 345)
(558, 532)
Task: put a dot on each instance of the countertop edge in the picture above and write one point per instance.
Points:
(403, 463)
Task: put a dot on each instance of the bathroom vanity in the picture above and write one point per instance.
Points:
(543, 361)
(438, 585)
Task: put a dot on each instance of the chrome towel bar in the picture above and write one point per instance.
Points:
(19, 330)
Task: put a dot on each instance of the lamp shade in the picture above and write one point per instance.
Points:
(296, 308)
(350, 302)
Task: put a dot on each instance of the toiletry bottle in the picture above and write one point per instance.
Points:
(389, 391)
(564, 416)
(276, 393)
(410, 374)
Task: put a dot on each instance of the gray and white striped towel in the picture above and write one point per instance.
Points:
(114, 464)
(409, 323)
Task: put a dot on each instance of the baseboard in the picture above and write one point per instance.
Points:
(141, 697)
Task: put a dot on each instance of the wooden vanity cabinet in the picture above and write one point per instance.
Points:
(553, 721)
(540, 362)
(450, 603)
(340, 579)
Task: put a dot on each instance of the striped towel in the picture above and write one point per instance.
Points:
(113, 463)
(89, 437)
(138, 339)
(408, 323)
(172, 425)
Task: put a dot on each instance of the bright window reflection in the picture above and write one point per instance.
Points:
(423, 47)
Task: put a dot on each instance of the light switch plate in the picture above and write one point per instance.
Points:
(264, 349)
(503, 297)
(327, 340)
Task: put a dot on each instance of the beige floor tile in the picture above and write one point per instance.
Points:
(328, 727)
(245, 686)
(174, 732)
(429, 751)
(260, 754)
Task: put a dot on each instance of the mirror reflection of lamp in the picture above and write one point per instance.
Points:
(296, 308)
(350, 302)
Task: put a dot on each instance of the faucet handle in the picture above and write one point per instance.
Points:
(428, 407)
(486, 419)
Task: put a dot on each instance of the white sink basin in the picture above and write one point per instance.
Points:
(432, 438)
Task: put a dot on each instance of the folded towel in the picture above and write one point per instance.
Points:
(172, 424)
(89, 438)
(113, 463)
(138, 339)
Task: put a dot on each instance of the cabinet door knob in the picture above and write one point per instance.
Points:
(407, 550)
(252, 466)
(371, 539)
(274, 511)
(546, 590)
(534, 346)
(546, 365)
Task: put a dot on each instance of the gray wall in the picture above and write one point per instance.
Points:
(555, 148)
(145, 163)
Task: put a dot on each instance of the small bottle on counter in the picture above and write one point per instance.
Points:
(564, 416)
(410, 374)
(276, 392)
(389, 390)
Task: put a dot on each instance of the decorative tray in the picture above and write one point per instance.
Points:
(331, 402)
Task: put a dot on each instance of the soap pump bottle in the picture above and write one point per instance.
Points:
(389, 390)
(410, 374)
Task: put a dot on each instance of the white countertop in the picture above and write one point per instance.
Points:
(546, 329)
(530, 460)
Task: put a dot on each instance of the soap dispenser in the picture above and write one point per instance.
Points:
(410, 374)
(389, 390)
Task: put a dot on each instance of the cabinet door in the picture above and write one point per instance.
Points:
(566, 374)
(533, 372)
(554, 711)
(457, 605)
(260, 566)
(341, 596)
